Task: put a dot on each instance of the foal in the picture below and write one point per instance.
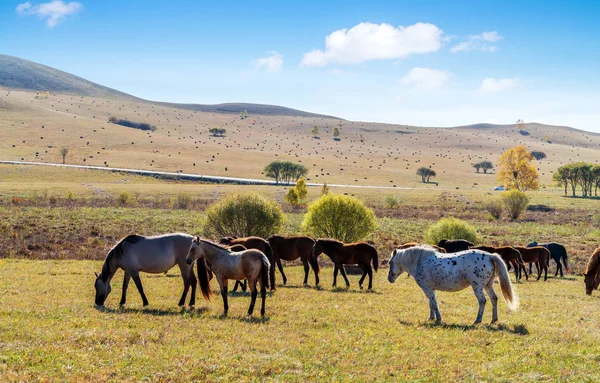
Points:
(251, 264)
(254, 243)
(153, 255)
(538, 255)
(341, 254)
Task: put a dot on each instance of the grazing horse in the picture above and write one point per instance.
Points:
(538, 255)
(413, 244)
(155, 255)
(254, 243)
(360, 253)
(291, 248)
(592, 272)
(455, 245)
(454, 272)
(558, 253)
(509, 255)
(249, 264)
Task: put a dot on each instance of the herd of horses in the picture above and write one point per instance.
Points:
(451, 265)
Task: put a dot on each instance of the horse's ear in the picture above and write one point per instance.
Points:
(97, 276)
(395, 251)
(585, 274)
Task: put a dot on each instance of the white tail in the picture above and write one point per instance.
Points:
(510, 296)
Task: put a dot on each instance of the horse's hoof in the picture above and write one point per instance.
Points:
(477, 321)
(361, 287)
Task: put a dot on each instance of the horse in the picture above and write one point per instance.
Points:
(242, 285)
(592, 272)
(413, 244)
(509, 255)
(538, 255)
(254, 243)
(455, 245)
(291, 248)
(154, 255)
(341, 254)
(557, 252)
(249, 264)
(454, 272)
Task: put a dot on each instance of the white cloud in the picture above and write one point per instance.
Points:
(426, 78)
(54, 11)
(482, 42)
(497, 85)
(368, 41)
(271, 63)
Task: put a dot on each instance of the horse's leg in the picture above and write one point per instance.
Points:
(362, 278)
(545, 267)
(530, 268)
(481, 300)
(244, 285)
(523, 270)
(253, 294)
(489, 289)
(193, 283)
(263, 297)
(343, 270)
(125, 285)
(434, 313)
(280, 267)
(186, 285)
(539, 269)
(315, 266)
(517, 270)
(138, 284)
(223, 286)
(370, 272)
(306, 271)
(335, 273)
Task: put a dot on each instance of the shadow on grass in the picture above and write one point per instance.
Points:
(153, 312)
(307, 287)
(245, 318)
(519, 329)
(352, 291)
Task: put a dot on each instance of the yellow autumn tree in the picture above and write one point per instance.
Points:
(517, 171)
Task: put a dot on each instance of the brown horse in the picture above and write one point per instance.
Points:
(592, 272)
(251, 264)
(360, 253)
(538, 255)
(414, 244)
(291, 248)
(509, 255)
(254, 243)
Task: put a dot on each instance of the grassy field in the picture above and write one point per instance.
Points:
(50, 331)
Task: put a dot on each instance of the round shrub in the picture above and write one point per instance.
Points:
(243, 215)
(340, 217)
(450, 228)
(515, 203)
(495, 206)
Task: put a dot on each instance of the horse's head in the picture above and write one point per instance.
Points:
(532, 244)
(591, 282)
(194, 252)
(102, 290)
(395, 269)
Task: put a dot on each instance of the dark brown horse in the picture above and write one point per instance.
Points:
(592, 272)
(538, 255)
(510, 256)
(292, 248)
(414, 244)
(256, 243)
(360, 253)
(455, 245)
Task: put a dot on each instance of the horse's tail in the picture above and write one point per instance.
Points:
(269, 255)
(203, 278)
(565, 259)
(375, 260)
(265, 272)
(510, 296)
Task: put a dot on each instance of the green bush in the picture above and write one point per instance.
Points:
(495, 207)
(182, 201)
(340, 217)
(124, 198)
(450, 228)
(243, 215)
(515, 203)
(391, 201)
(70, 196)
(292, 198)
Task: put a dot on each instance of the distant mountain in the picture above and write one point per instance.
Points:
(17, 73)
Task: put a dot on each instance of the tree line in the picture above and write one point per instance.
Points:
(582, 175)
(285, 171)
(217, 131)
(132, 124)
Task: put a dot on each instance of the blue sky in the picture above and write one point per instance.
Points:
(429, 63)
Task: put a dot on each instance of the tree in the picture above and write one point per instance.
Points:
(243, 215)
(285, 171)
(291, 197)
(63, 153)
(336, 133)
(217, 131)
(538, 155)
(486, 165)
(477, 166)
(425, 174)
(344, 218)
(517, 172)
(301, 189)
(315, 131)
(273, 170)
(561, 176)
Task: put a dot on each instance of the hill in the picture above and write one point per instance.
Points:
(18, 73)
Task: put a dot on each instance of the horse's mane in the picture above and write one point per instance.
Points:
(329, 241)
(412, 255)
(214, 244)
(594, 263)
(117, 252)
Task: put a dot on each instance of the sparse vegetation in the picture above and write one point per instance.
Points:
(391, 201)
(515, 203)
(63, 153)
(324, 189)
(495, 207)
(132, 124)
(450, 228)
(336, 133)
(344, 218)
(243, 215)
(315, 132)
(182, 201)
(538, 155)
(124, 198)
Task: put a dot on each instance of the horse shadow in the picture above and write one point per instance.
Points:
(307, 287)
(153, 311)
(353, 291)
(245, 318)
(519, 329)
